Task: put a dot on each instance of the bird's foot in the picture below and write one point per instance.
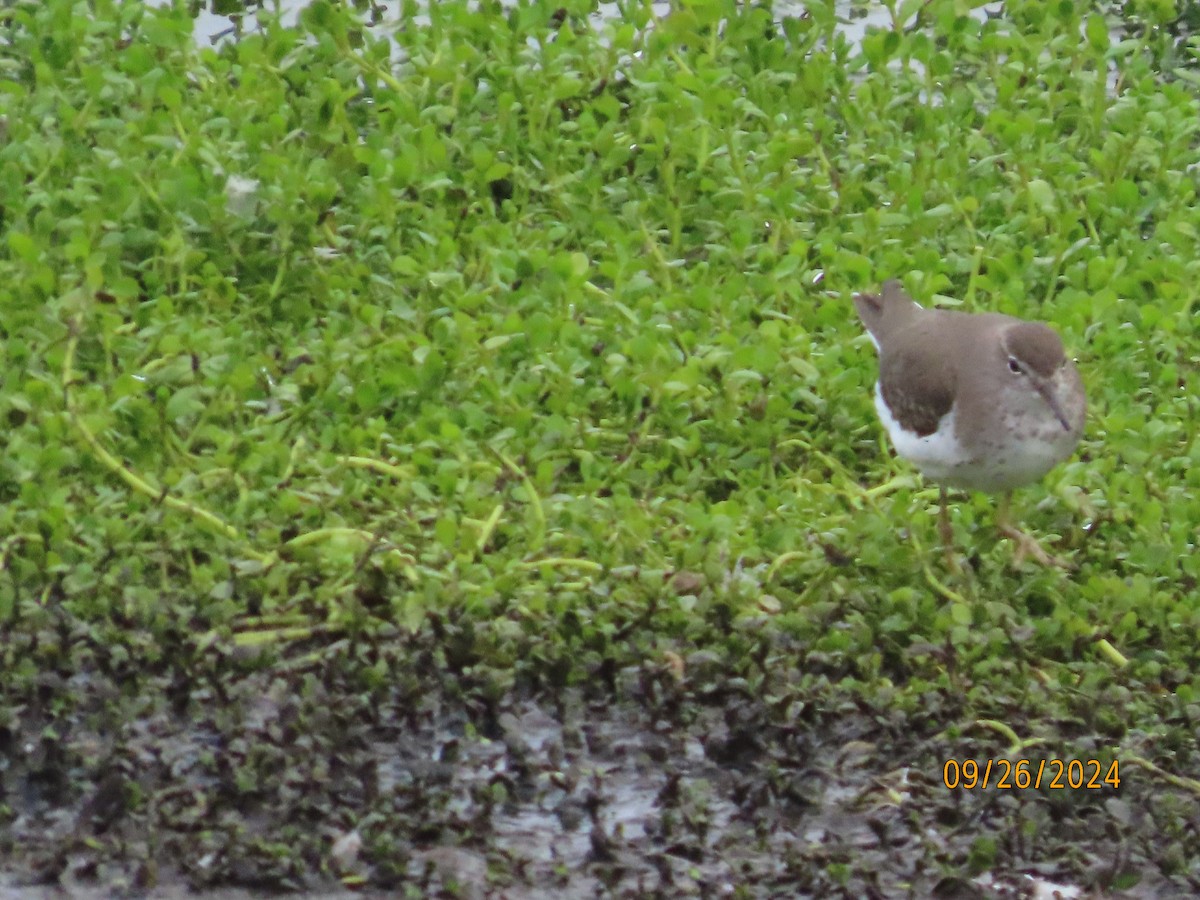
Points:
(1028, 546)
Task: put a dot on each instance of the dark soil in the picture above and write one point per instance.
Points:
(410, 763)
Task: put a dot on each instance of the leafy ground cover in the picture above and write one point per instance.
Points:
(440, 456)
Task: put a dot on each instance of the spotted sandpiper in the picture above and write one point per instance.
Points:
(979, 401)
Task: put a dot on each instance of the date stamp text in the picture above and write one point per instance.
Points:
(1052, 774)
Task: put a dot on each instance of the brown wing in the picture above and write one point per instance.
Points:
(917, 381)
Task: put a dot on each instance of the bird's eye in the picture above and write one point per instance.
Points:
(1014, 366)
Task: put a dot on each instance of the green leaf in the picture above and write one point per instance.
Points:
(1043, 195)
(184, 403)
(22, 246)
(1096, 30)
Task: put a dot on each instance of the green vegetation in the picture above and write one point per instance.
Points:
(502, 320)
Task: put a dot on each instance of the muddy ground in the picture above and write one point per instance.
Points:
(408, 764)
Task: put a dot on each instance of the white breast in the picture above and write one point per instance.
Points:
(1016, 459)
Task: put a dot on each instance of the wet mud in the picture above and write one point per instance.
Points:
(413, 765)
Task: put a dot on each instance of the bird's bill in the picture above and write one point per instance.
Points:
(1051, 398)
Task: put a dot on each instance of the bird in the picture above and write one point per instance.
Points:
(977, 401)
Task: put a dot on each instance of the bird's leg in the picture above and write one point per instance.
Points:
(946, 531)
(1026, 545)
